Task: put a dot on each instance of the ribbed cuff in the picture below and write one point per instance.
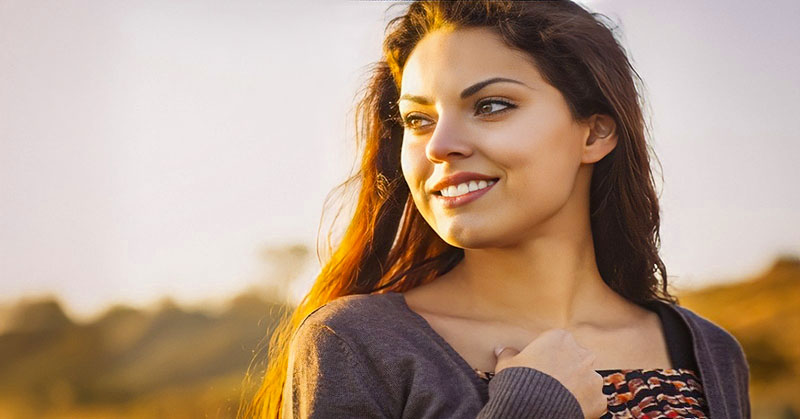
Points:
(523, 392)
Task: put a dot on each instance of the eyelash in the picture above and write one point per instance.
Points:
(406, 122)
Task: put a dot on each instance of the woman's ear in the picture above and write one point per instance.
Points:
(602, 138)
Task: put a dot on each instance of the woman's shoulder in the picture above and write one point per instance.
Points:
(338, 365)
(357, 318)
(345, 310)
(714, 337)
(707, 327)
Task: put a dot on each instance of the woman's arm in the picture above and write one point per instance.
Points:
(522, 392)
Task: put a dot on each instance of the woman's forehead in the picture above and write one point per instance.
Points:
(448, 61)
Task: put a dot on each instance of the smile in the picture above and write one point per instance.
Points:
(457, 195)
(453, 191)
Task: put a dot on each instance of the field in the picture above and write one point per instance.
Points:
(177, 363)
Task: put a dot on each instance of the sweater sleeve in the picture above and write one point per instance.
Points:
(326, 379)
(522, 392)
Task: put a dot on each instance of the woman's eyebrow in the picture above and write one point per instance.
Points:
(469, 91)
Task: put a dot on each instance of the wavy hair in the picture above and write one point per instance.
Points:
(388, 246)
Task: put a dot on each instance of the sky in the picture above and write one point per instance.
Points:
(152, 148)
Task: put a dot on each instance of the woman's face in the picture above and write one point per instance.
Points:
(519, 133)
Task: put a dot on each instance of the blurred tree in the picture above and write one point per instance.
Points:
(283, 265)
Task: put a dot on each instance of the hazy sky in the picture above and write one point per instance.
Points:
(154, 147)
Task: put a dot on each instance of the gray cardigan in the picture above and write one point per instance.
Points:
(371, 356)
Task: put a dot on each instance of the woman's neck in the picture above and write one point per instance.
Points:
(546, 283)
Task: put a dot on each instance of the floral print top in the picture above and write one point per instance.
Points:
(649, 393)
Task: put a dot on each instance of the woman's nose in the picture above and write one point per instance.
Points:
(448, 141)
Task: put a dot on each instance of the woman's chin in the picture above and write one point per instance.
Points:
(469, 238)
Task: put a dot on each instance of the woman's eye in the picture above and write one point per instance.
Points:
(489, 106)
(414, 122)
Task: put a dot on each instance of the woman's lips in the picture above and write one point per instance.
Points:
(457, 201)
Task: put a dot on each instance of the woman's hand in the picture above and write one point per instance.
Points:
(556, 352)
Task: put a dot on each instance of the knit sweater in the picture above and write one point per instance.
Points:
(371, 356)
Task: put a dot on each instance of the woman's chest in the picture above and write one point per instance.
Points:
(639, 346)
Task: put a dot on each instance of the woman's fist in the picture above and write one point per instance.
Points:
(556, 352)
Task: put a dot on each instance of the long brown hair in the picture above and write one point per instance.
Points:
(388, 246)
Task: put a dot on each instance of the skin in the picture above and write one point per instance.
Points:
(529, 263)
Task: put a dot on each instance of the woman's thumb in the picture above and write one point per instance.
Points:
(504, 351)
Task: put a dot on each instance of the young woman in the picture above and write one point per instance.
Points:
(502, 260)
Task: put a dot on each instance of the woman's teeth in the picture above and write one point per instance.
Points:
(466, 187)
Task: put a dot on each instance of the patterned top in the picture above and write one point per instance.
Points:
(655, 393)
(649, 393)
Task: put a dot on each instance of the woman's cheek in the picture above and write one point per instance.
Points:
(406, 166)
(412, 172)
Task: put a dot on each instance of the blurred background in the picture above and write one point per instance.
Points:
(164, 167)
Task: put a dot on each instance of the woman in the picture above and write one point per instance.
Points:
(502, 258)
